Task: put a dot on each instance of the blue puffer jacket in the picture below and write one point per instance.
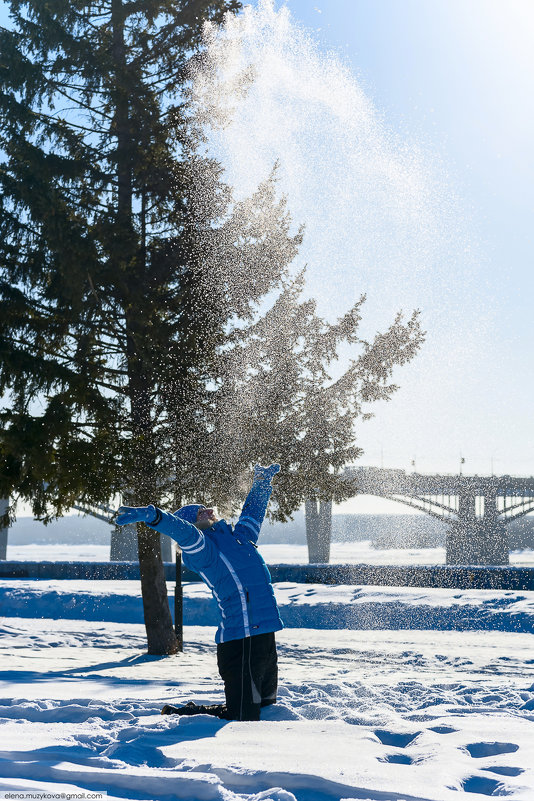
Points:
(227, 559)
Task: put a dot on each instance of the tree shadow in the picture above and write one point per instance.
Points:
(43, 676)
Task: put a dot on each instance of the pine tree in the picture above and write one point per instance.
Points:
(104, 260)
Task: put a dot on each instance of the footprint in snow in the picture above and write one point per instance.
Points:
(397, 759)
(483, 786)
(396, 739)
(479, 750)
(505, 771)
(443, 729)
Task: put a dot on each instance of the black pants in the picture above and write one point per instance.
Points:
(249, 669)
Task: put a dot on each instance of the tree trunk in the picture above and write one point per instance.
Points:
(122, 127)
(159, 627)
(318, 530)
(158, 621)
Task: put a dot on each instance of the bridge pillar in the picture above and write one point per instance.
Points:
(124, 544)
(166, 548)
(495, 539)
(4, 506)
(318, 530)
(124, 548)
(477, 541)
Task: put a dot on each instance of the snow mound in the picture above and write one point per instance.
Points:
(315, 606)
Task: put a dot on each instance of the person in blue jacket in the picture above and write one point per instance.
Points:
(228, 561)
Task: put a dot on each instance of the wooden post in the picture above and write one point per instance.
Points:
(4, 506)
(179, 603)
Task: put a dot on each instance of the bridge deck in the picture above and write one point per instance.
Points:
(383, 481)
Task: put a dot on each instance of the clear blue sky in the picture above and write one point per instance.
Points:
(458, 77)
(461, 74)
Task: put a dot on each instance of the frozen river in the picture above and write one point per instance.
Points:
(342, 553)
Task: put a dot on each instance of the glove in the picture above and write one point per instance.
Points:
(265, 473)
(135, 514)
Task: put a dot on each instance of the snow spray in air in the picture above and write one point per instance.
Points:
(378, 214)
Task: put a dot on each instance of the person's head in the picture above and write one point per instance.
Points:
(201, 516)
(206, 517)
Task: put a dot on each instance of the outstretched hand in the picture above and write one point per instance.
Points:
(265, 473)
(134, 514)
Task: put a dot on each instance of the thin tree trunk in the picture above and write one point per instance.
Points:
(4, 527)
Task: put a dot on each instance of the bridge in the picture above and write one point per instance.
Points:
(476, 508)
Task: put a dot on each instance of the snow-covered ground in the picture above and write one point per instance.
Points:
(341, 553)
(382, 697)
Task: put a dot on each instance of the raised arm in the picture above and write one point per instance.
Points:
(255, 506)
(198, 550)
